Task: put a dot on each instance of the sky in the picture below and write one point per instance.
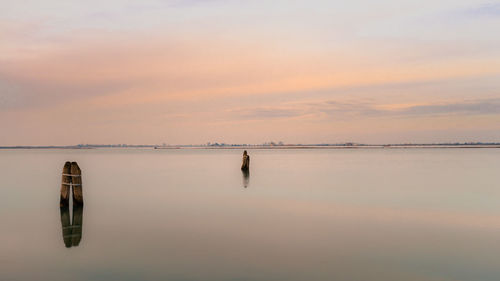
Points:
(194, 71)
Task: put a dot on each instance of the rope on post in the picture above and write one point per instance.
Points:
(71, 184)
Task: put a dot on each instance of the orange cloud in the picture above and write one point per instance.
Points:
(118, 83)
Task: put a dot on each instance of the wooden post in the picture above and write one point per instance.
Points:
(76, 179)
(65, 184)
(245, 166)
(71, 179)
(71, 182)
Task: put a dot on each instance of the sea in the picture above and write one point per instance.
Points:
(374, 214)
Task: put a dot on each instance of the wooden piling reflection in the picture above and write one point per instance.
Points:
(72, 229)
(77, 224)
(246, 178)
(66, 226)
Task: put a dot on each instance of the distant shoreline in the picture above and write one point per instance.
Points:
(340, 147)
(387, 146)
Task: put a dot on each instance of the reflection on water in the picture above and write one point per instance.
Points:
(246, 178)
(72, 230)
(329, 214)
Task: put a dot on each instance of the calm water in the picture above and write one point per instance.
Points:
(380, 214)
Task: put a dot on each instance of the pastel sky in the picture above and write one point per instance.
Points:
(190, 72)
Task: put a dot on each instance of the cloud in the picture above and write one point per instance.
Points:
(21, 93)
(331, 109)
(192, 72)
(485, 10)
(187, 3)
(267, 113)
(480, 107)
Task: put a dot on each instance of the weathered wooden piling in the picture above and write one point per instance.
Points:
(245, 166)
(71, 182)
(65, 184)
(76, 183)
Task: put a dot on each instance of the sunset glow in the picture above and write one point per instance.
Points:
(189, 72)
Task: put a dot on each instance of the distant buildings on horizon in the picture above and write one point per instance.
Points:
(269, 144)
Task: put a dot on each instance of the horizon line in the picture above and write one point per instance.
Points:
(264, 145)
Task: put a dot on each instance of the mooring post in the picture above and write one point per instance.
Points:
(71, 182)
(245, 166)
(76, 183)
(65, 184)
(71, 179)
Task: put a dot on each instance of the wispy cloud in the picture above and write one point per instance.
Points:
(186, 3)
(23, 93)
(188, 70)
(268, 112)
(487, 9)
(362, 109)
(478, 107)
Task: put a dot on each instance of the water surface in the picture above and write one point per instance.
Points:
(328, 214)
